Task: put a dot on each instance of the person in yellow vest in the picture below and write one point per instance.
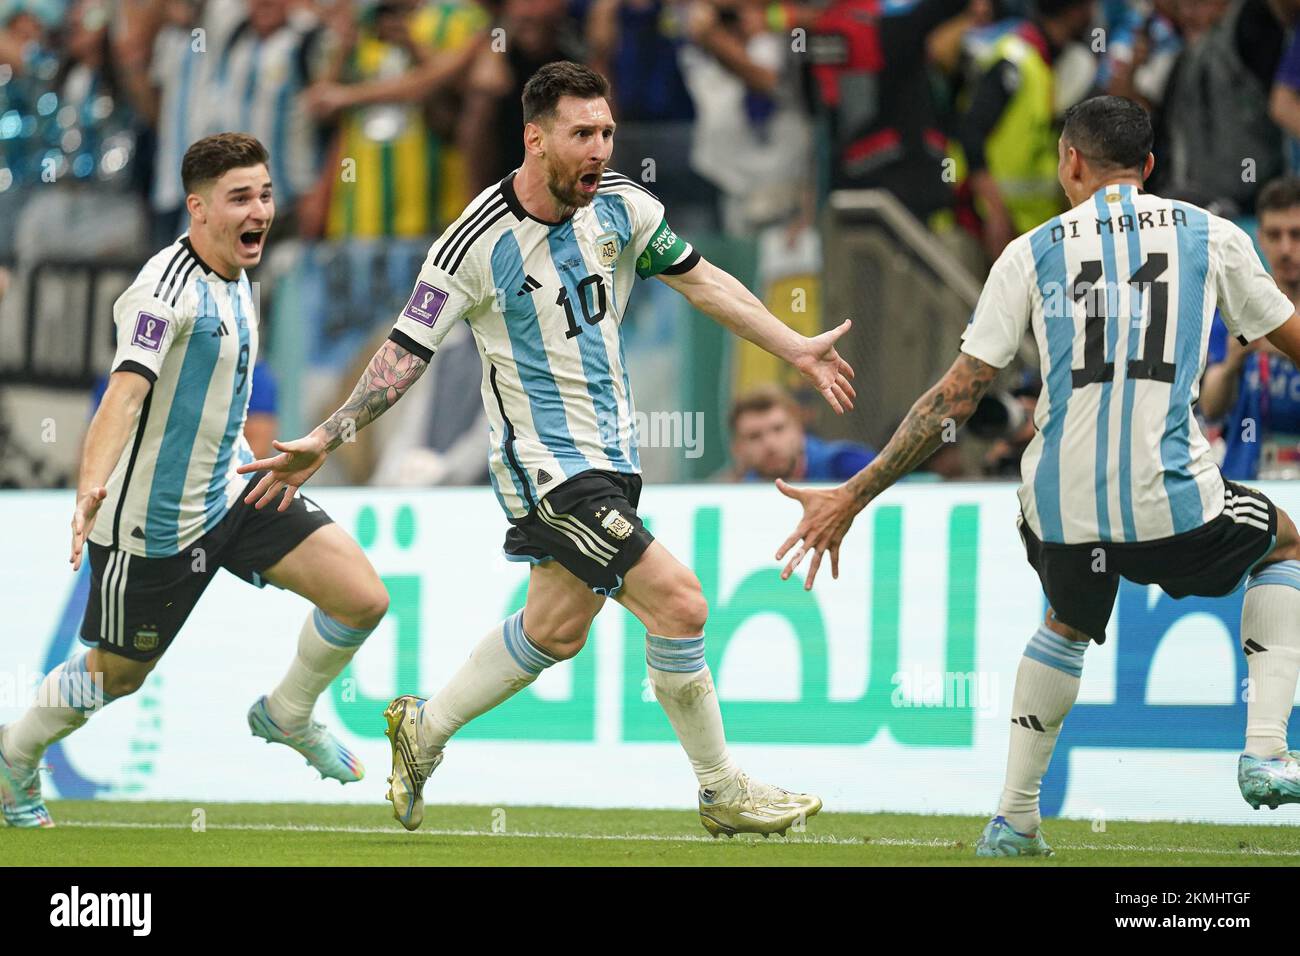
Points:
(1008, 133)
(393, 96)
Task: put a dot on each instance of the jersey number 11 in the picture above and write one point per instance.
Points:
(1150, 364)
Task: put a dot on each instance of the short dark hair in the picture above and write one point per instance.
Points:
(211, 157)
(1278, 194)
(1110, 131)
(761, 398)
(544, 88)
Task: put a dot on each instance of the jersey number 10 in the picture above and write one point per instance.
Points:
(1150, 364)
(591, 315)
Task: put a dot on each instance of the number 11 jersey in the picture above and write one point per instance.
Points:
(1120, 293)
(545, 302)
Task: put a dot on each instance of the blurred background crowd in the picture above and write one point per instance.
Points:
(756, 122)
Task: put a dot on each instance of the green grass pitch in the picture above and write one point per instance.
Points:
(102, 833)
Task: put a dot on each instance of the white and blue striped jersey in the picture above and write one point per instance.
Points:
(545, 302)
(1120, 292)
(193, 334)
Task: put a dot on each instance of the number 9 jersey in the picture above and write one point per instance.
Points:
(1120, 293)
(193, 334)
(545, 302)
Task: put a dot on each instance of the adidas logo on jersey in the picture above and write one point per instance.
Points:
(220, 330)
(530, 285)
(137, 533)
(542, 476)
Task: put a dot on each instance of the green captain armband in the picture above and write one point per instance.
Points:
(665, 250)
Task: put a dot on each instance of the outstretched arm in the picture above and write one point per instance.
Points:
(828, 513)
(725, 299)
(390, 373)
(946, 405)
(109, 431)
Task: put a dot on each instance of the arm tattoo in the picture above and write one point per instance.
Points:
(952, 400)
(391, 372)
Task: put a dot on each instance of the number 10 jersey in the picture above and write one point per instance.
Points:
(1120, 292)
(545, 302)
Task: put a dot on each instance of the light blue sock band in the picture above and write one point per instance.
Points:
(1282, 572)
(340, 635)
(677, 655)
(78, 688)
(1048, 647)
(527, 655)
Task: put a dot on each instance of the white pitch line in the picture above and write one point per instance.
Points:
(397, 831)
(648, 837)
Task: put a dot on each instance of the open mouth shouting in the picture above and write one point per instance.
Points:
(588, 183)
(250, 242)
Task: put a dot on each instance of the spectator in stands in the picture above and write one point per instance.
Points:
(635, 44)
(1141, 49)
(86, 114)
(1284, 102)
(533, 33)
(262, 70)
(752, 137)
(163, 49)
(1255, 386)
(1221, 143)
(768, 441)
(1009, 133)
(27, 65)
(869, 64)
(394, 90)
(82, 135)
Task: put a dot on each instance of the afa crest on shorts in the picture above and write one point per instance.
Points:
(607, 249)
(616, 526)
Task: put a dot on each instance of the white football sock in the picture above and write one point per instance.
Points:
(1270, 636)
(684, 688)
(324, 648)
(65, 700)
(503, 663)
(1047, 684)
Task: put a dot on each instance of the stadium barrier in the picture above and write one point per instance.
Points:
(888, 689)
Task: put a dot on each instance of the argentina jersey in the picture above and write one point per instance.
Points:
(193, 334)
(1120, 292)
(545, 302)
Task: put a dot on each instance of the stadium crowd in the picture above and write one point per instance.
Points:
(383, 119)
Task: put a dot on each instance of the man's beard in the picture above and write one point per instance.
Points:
(565, 191)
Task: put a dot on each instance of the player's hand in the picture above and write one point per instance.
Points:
(83, 519)
(828, 514)
(298, 460)
(822, 365)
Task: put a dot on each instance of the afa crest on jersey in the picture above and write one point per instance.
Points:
(607, 249)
